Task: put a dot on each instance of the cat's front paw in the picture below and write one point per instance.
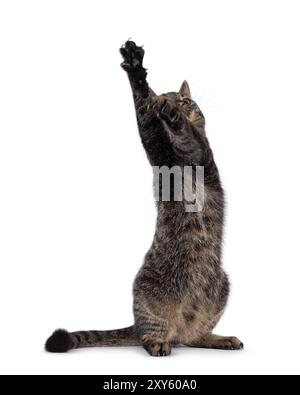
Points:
(170, 114)
(132, 55)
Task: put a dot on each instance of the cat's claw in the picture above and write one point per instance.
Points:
(171, 115)
(157, 349)
(132, 55)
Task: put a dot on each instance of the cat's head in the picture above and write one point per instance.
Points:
(183, 100)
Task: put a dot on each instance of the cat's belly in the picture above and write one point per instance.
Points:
(188, 296)
(190, 323)
(186, 321)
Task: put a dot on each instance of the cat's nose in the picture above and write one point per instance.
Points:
(179, 103)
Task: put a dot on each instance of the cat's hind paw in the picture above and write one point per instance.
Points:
(157, 349)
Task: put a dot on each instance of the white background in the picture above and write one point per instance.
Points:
(76, 206)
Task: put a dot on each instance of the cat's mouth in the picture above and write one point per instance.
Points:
(182, 105)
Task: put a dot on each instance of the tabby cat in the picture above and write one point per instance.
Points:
(181, 290)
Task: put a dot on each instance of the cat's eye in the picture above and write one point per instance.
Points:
(187, 101)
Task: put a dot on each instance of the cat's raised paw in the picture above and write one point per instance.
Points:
(170, 114)
(132, 55)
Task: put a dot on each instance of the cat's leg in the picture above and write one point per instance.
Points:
(185, 136)
(137, 74)
(151, 129)
(154, 335)
(170, 114)
(218, 342)
(152, 330)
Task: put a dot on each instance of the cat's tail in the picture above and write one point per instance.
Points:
(63, 341)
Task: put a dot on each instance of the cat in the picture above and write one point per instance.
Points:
(181, 291)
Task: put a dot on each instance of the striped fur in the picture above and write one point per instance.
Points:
(181, 290)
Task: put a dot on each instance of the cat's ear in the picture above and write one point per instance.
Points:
(185, 90)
